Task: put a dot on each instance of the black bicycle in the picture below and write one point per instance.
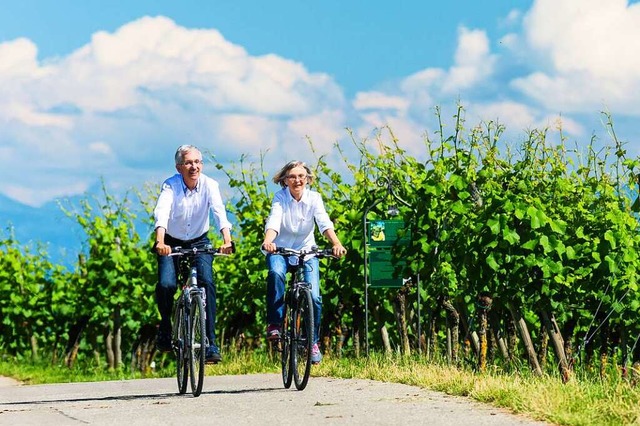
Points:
(189, 336)
(296, 339)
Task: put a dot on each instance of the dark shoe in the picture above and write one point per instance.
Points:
(213, 355)
(163, 342)
(273, 332)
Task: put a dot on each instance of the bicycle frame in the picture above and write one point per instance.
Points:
(298, 329)
(189, 329)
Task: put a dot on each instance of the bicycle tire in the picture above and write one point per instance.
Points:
(302, 337)
(285, 346)
(197, 346)
(179, 346)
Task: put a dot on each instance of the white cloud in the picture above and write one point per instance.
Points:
(323, 129)
(379, 100)
(473, 61)
(513, 115)
(473, 64)
(35, 194)
(404, 109)
(30, 116)
(119, 105)
(513, 18)
(588, 52)
(101, 148)
(519, 117)
(17, 57)
(237, 132)
(510, 41)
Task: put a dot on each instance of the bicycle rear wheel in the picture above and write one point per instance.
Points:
(197, 344)
(302, 338)
(285, 346)
(179, 345)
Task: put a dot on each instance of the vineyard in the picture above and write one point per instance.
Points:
(526, 253)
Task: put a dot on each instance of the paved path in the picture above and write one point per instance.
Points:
(255, 399)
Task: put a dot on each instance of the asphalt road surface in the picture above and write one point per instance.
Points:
(255, 399)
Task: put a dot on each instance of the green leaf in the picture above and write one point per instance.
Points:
(494, 226)
(511, 236)
(544, 243)
(491, 261)
(530, 245)
(534, 217)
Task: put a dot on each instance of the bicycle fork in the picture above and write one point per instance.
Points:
(192, 288)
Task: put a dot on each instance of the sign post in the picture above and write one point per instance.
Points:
(382, 237)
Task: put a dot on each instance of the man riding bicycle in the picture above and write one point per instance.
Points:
(182, 219)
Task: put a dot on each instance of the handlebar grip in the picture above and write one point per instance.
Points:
(233, 247)
(326, 252)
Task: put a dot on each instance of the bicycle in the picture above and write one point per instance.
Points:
(189, 338)
(296, 339)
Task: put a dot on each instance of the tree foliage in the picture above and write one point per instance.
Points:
(540, 226)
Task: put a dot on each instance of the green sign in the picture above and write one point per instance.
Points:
(387, 233)
(383, 236)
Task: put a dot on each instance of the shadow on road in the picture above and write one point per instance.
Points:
(141, 397)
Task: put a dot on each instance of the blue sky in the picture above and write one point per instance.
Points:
(116, 86)
(360, 43)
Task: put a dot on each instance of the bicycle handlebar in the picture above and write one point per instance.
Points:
(300, 253)
(207, 249)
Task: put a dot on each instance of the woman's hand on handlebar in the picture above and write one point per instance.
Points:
(269, 247)
(338, 250)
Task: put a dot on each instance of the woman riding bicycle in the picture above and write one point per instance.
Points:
(295, 211)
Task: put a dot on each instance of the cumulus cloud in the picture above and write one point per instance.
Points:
(379, 100)
(473, 61)
(588, 55)
(557, 61)
(520, 117)
(473, 64)
(119, 105)
(405, 108)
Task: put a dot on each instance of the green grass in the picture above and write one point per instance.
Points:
(582, 401)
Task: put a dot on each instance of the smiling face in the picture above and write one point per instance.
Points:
(190, 168)
(296, 181)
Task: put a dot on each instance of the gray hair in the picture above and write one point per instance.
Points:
(182, 151)
(280, 177)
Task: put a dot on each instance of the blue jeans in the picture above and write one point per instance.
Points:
(276, 280)
(167, 284)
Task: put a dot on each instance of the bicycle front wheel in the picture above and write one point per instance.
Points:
(179, 342)
(285, 347)
(197, 344)
(302, 338)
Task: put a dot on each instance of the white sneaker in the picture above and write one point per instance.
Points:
(316, 355)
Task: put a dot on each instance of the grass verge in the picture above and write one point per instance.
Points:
(582, 401)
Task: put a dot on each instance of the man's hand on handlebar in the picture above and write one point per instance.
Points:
(227, 248)
(162, 249)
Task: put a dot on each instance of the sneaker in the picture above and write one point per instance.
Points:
(273, 332)
(213, 355)
(163, 342)
(316, 355)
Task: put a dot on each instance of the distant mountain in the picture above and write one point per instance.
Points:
(48, 225)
